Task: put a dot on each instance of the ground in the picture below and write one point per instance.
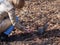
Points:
(34, 15)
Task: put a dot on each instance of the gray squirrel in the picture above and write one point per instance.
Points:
(8, 6)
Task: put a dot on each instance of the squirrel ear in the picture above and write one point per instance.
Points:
(18, 3)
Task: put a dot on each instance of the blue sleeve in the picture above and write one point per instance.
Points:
(10, 29)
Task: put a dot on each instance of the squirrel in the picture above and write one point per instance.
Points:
(9, 6)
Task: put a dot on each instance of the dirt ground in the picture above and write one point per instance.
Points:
(34, 15)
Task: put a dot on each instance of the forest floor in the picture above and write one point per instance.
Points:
(34, 15)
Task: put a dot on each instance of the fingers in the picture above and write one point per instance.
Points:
(3, 15)
(4, 25)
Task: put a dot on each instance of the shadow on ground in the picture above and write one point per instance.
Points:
(30, 36)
